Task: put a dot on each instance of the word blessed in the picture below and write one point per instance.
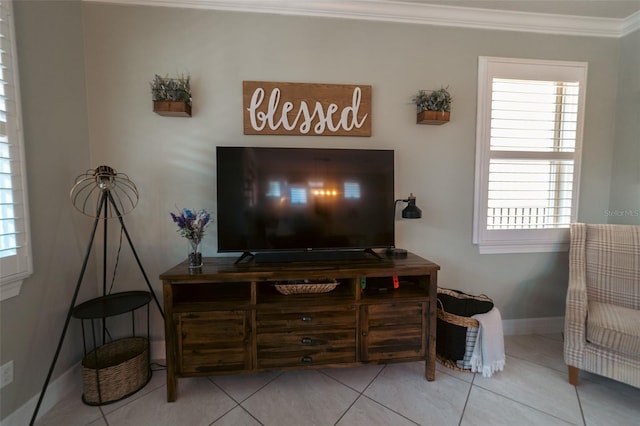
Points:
(301, 109)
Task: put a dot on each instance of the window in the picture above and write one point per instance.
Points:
(528, 146)
(15, 245)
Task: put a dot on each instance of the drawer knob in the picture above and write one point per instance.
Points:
(306, 318)
(306, 340)
(307, 359)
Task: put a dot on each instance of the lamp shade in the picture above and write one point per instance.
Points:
(86, 194)
(411, 211)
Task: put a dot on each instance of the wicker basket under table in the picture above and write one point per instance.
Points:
(115, 370)
(458, 320)
(455, 320)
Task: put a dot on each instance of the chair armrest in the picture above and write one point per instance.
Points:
(575, 321)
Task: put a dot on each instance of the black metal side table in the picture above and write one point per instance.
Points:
(116, 369)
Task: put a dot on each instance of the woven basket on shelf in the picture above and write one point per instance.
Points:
(122, 368)
(306, 288)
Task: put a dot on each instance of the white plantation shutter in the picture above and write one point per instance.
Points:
(15, 247)
(528, 153)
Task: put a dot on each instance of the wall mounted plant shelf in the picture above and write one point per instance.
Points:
(434, 106)
(171, 96)
(433, 117)
(172, 108)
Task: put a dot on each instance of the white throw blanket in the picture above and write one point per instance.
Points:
(488, 352)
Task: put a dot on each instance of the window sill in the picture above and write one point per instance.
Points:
(522, 248)
(10, 289)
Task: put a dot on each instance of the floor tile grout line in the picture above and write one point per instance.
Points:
(224, 414)
(104, 417)
(362, 395)
(584, 421)
(347, 409)
(250, 414)
(378, 402)
(536, 363)
(528, 361)
(540, 365)
(347, 385)
(212, 380)
(390, 409)
(522, 403)
(239, 403)
(466, 401)
(582, 395)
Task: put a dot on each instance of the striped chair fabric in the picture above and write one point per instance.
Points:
(602, 319)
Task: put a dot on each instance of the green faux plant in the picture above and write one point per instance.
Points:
(171, 89)
(435, 100)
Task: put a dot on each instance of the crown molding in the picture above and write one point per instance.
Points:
(416, 13)
(631, 24)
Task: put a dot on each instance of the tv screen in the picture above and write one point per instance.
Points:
(303, 199)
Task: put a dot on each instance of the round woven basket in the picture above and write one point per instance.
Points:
(115, 370)
(459, 320)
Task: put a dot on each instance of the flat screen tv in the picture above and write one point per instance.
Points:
(305, 200)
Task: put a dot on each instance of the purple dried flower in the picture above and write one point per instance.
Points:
(192, 225)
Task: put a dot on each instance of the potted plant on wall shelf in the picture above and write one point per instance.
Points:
(434, 107)
(171, 96)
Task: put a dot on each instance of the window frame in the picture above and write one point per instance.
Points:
(14, 269)
(522, 240)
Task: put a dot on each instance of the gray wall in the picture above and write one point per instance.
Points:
(172, 160)
(436, 163)
(625, 176)
(51, 65)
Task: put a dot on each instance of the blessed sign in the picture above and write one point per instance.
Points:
(306, 109)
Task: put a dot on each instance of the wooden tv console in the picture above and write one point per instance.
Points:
(228, 318)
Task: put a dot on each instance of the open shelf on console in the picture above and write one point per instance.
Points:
(205, 296)
(267, 293)
(383, 288)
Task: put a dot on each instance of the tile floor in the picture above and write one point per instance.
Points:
(532, 390)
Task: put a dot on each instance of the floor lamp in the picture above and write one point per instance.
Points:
(102, 194)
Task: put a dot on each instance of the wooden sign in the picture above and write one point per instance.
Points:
(309, 109)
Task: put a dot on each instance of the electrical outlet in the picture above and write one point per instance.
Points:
(6, 374)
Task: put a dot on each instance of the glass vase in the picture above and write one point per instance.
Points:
(195, 257)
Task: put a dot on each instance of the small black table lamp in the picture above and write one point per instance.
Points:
(410, 212)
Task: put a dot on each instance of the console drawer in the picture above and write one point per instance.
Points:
(293, 319)
(299, 348)
(393, 330)
(213, 341)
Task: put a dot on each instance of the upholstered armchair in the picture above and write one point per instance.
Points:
(602, 319)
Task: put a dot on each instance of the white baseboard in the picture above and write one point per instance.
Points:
(546, 325)
(68, 381)
(157, 350)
